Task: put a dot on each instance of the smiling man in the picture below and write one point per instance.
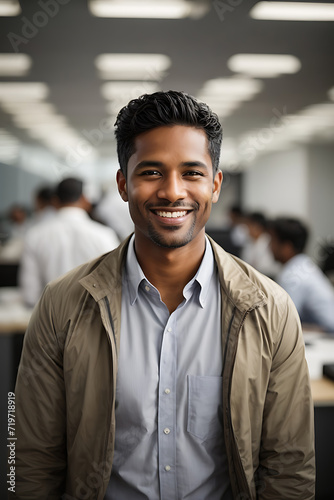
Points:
(166, 369)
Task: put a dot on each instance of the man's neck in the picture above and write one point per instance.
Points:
(170, 269)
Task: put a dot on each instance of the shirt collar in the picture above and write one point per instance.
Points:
(203, 275)
(135, 275)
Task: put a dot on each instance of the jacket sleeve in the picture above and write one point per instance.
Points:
(287, 458)
(40, 410)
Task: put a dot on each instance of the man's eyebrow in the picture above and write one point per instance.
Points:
(194, 164)
(149, 163)
(160, 164)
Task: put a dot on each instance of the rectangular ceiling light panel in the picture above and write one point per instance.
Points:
(132, 66)
(28, 108)
(264, 65)
(14, 64)
(293, 11)
(122, 92)
(18, 92)
(233, 88)
(10, 8)
(148, 9)
(331, 94)
(224, 95)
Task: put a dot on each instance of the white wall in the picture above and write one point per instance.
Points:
(321, 196)
(277, 184)
(298, 183)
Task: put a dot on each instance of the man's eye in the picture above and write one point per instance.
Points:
(150, 172)
(193, 173)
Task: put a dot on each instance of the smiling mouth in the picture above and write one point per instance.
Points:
(171, 215)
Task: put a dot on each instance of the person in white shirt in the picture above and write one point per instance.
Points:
(307, 285)
(55, 246)
(44, 204)
(257, 250)
(114, 213)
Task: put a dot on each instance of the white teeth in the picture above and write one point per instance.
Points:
(173, 215)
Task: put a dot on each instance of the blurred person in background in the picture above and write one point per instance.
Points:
(307, 285)
(239, 231)
(257, 251)
(44, 203)
(18, 223)
(57, 245)
(114, 213)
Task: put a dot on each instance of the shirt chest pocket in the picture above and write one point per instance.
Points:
(205, 406)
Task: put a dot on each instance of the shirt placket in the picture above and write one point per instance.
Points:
(167, 413)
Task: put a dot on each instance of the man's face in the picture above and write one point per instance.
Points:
(170, 185)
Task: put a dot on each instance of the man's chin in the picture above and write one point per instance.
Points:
(171, 240)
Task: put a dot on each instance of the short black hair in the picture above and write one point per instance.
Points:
(69, 190)
(258, 218)
(236, 209)
(288, 229)
(161, 109)
(45, 194)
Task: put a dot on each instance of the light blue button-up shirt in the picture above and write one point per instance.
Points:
(310, 290)
(169, 437)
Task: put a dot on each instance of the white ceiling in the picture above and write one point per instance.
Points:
(64, 47)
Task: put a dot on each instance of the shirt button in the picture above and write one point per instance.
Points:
(166, 431)
(169, 329)
(167, 391)
(147, 288)
(167, 468)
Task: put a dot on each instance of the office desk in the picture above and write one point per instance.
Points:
(14, 318)
(319, 350)
(322, 392)
(14, 315)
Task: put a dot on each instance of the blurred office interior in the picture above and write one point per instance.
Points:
(266, 68)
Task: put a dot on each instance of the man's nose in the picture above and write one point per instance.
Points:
(172, 188)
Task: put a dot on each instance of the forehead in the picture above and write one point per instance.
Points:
(173, 140)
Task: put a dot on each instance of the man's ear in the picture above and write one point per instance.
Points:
(121, 183)
(217, 184)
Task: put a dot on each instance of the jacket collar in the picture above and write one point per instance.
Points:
(240, 289)
(106, 278)
(234, 276)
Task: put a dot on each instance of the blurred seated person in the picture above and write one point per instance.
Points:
(239, 231)
(57, 245)
(309, 288)
(18, 222)
(257, 251)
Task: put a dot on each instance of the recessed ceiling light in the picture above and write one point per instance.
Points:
(293, 11)
(10, 8)
(28, 91)
(220, 107)
(322, 109)
(14, 64)
(149, 9)
(264, 65)
(123, 92)
(232, 88)
(331, 93)
(132, 66)
(28, 108)
(28, 121)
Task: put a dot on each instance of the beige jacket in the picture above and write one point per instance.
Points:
(65, 393)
